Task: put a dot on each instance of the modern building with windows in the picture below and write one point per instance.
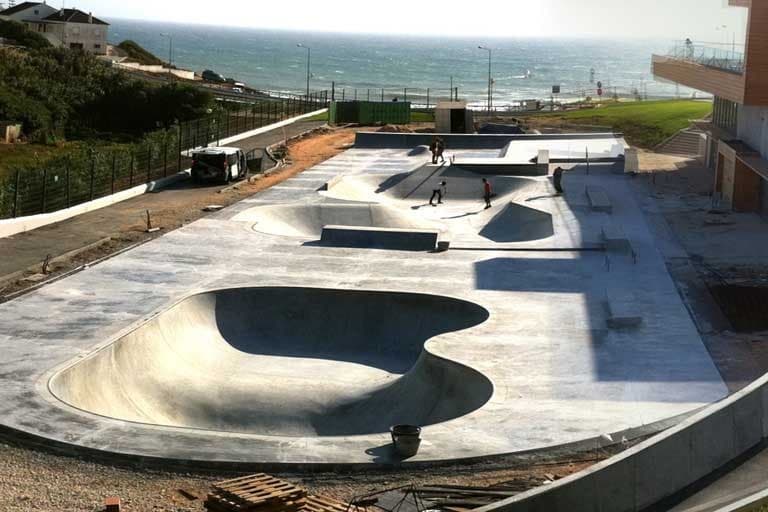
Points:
(737, 136)
(69, 28)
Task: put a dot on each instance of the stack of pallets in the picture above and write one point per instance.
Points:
(264, 493)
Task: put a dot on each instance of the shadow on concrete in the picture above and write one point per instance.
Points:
(516, 223)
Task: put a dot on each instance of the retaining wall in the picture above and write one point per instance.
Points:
(376, 140)
(661, 467)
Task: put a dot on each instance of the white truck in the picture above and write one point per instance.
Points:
(220, 163)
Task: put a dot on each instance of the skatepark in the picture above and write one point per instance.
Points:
(295, 327)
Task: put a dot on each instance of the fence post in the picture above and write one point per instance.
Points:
(93, 173)
(427, 98)
(114, 163)
(130, 171)
(149, 165)
(180, 150)
(333, 91)
(165, 156)
(405, 94)
(16, 194)
(369, 95)
(382, 95)
(68, 174)
(343, 91)
(227, 133)
(45, 189)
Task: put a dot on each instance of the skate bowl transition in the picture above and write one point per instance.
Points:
(308, 221)
(280, 361)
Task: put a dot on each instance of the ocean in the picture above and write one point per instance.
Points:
(405, 67)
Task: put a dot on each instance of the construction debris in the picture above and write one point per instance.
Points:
(264, 493)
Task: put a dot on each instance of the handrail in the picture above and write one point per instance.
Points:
(727, 59)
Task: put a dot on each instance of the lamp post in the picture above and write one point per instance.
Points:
(490, 83)
(309, 63)
(170, 51)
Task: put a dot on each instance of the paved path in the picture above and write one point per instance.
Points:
(25, 250)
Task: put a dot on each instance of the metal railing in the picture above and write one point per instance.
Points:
(725, 58)
(89, 174)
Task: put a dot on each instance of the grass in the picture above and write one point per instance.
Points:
(26, 155)
(644, 124)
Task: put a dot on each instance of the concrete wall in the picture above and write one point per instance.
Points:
(411, 140)
(753, 128)
(764, 198)
(660, 467)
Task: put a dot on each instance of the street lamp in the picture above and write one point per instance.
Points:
(309, 64)
(490, 82)
(170, 50)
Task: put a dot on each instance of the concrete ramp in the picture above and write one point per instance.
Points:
(284, 361)
(308, 221)
(517, 223)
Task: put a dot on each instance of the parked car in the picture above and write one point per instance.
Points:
(238, 90)
(213, 76)
(219, 163)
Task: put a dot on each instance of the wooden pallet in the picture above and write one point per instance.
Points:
(255, 492)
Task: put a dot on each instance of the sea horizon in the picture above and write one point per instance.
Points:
(405, 66)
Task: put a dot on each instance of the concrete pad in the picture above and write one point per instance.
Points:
(599, 200)
(557, 375)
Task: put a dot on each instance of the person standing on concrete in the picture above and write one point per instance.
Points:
(433, 150)
(439, 192)
(487, 193)
(557, 180)
(439, 150)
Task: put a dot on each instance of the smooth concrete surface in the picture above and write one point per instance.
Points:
(657, 469)
(558, 375)
(285, 362)
(380, 238)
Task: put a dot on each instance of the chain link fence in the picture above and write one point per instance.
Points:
(87, 174)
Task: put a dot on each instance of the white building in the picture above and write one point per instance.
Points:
(70, 28)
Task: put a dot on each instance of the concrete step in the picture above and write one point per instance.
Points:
(598, 199)
(684, 143)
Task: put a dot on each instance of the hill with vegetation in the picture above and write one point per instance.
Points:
(60, 94)
(137, 53)
(21, 36)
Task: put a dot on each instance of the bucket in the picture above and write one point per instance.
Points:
(406, 439)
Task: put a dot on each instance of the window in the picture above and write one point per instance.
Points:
(97, 47)
(37, 12)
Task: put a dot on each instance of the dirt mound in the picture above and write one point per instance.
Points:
(391, 128)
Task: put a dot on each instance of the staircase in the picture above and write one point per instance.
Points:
(684, 143)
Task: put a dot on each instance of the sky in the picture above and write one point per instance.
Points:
(701, 20)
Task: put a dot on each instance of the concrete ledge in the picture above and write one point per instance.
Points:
(615, 239)
(380, 238)
(333, 182)
(662, 466)
(622, 309)
(10, 227)
(269, 128)
(599, 200)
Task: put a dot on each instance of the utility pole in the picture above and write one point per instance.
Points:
(490, 83)
(309, 63)
(170, 53)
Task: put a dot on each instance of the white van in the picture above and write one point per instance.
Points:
(223, 164)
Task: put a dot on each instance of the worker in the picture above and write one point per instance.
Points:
(487, 193)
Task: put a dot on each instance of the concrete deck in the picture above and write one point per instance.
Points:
(557, 373)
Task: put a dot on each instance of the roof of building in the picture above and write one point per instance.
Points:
(74, 16)
(18, 8)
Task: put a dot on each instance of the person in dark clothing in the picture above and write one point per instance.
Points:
(487, 192)
(557, 180)
(433, 150)
(438, 193)
(439, 150)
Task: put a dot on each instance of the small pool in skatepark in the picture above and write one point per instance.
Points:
(284, 361)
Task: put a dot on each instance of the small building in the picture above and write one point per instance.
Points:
(68, 28)
(453, 117)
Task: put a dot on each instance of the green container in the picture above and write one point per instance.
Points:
(370, 112)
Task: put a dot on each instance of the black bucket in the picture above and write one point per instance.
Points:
(407, 439)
